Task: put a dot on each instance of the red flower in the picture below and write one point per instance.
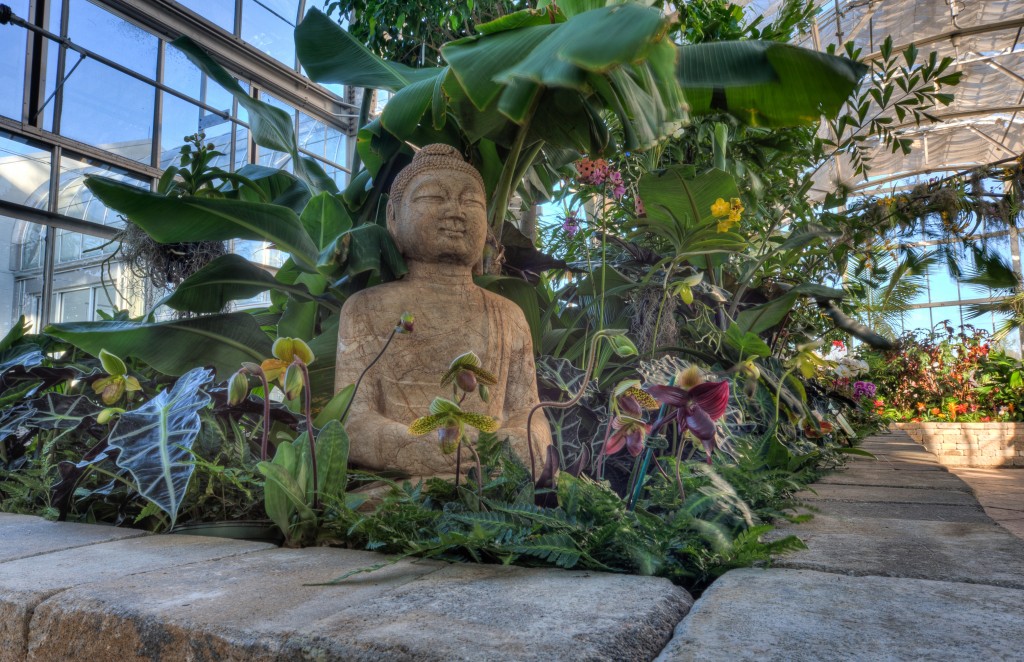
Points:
(985, 419)
(695, 409)
(839, 344)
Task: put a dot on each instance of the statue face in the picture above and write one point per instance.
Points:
(442, 217)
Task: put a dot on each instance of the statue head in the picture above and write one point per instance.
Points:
(437, 211)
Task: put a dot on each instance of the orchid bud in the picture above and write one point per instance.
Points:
(252, 368)
(622, 345)
(107, 414)
(485, 393)
(293, 381)
(405, 323)
(238, 388)
(466, 380)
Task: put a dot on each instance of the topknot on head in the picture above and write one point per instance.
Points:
(437, 157)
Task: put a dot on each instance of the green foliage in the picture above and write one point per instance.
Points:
(592, 527)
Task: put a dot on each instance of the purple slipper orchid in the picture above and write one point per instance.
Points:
(695, 408)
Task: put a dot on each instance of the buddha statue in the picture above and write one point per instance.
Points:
(437, 215)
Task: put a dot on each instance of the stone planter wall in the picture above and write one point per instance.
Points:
(970, 444)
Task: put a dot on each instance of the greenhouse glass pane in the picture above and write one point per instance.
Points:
(269, 25)
(115, 38)
(219, 12)
(74, 306)
(241, 146)
(180, 74)
(183, 119)
(949, 314)
(107, 109)
(917, 319)
(24, 172)
(12, 73)
(941, 286)
(74, 200)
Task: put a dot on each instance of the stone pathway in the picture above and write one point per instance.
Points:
(902, 564)
(1000, 492)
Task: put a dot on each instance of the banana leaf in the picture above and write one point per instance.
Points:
(171, 220)
(177, 346)
(228, 278)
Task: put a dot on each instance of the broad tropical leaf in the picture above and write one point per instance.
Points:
(55, 411)
(170, 220)
(766, 83)
(332, 446)
(228, 278)
(155, 440)
(175, 347)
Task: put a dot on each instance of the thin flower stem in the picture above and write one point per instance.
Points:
(309, 429)
(559, 405)
(366, 370)
(264, 442)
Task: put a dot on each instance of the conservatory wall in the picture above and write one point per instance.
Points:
(94, 87)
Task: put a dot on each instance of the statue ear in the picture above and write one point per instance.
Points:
(392, 223)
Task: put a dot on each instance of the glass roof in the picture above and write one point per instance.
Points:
(985, 122)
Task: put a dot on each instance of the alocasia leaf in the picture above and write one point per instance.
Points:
(155, 440)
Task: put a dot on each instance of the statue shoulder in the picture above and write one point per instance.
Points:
(508, 309)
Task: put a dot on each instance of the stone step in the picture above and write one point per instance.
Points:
(783, 614)
(195, 598)
(25, 535)
(27, 582)
(977, 553)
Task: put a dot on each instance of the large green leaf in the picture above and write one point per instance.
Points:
(228, 278)
(155, 440)
(766, 83)
(332, 460)
(175, 347)
(329, 54)
(55, 411)
(325, 217)
(283, 493)
(171, 220)
(678, 203)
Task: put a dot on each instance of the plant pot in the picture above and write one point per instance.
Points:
(255, 530)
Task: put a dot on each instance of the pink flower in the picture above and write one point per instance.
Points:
(571, 224)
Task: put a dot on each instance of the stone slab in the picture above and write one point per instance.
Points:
(26, 582)
(882, 460)
(946, 551)
(907, 511)
(805, 615)
(886, 477)
(259, 607)
(780, 614)
(25, 535)
(877, 494)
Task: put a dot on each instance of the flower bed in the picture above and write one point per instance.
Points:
(964, 444)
